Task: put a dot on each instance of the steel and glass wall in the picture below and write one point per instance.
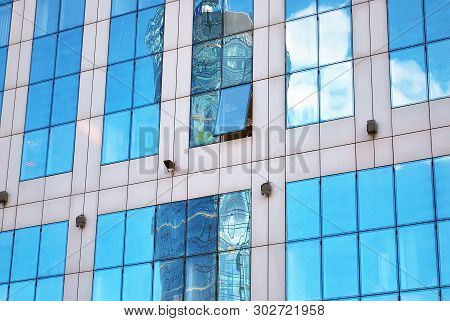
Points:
(5, 24)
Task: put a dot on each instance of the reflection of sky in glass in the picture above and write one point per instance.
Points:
(296, 9)
(325, 5)
(408, 79)
(302, 98)
(405, 23)
(301, 44)
(335, 36)
(336, 91)
(437, 13)
(439, 69)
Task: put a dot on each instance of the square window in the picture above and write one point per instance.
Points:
(50, 289)
(122, 36)
(405, 23)
(206, 66)
(119, 87)
(208, 20)
(68, 57)
(237, 16)
(52, 254)
(237, 60)
(145, 131)
(39, 105)
(116, 137)
(25, 254)
(107, 285)
(43, 59)
(60, 149)
(301, 44)
(110, 241)
(137, 283)
(234, 276)
(147, 80)
(168, 280)
(72, 14)
(22, 291)
(201, 278)
(150, 31)
(47, 17)
(437, 13)
(34, 155)
(139, 240)
(65, 100)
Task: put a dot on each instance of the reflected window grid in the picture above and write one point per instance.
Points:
(201, 246)
(394, 259)
(319, 84)
(32, 263)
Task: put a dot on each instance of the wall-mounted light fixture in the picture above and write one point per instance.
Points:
(372, 127)
(81, 221)
(266, 189)
(170, 165)
(3, 198)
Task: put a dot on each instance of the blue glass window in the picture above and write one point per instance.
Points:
(339, 204)
(340, 266)
(52, 254)
(68, 56)
(437, 13)
(208, 20)
(147, 80)
(149, 3)
(60, 149)
(110, 240)
(405, 23)
(34, 154)
(243, 10)
(376, 206)
(233, 110)
(442, 186)
(50, 289)
(22, 291)
(378, 262)
(47, 15)
(206, 66)
(382, 297)
(139, 240)
(301, 44)
(297, 9)
(444, 251)
(137, 283)
(170, 230)
(116, 137)
(72, 14)
(107, 285)
(303, 209)
(168, 280)
(203, 119)
(65, 100)
(237, 62)
(303, 271)
(202, 223)
(39, 105)
(150, 31)
(145, 131)
(234, 276)
(43, 58)
(439, 68)
(119, 7)
(25, 254)
(414, 191)
(6, 246)
(234, 221)
(122, 38)
(445, 293)
(424, 295)
(5, 23)
(4, 292)
(201, 278)
(119, 87)
(417, 254)
(325, 5)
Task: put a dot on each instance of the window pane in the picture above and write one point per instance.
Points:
(206, 66)
(4, 292)
(60, 149)
(201, 278)
(405, 23)
(43, 59)
(303, 209)
(203, 119)
(424, 295)
(417, 253)
(339, 203)
(378, 262)
(119, 7)
(25, 255)
(202, 225)
(303, 271)
(3, 60)
(52, 254)
(439, 68)
(383, 297)
(139, 239)
(22, 291)
(233, 110)
(150, 31)
(72, 14)
(234, 221)
(376, 198)
(408, 77)
(336, 91)
(301, 44)
(296, 9)
(65, 100)
(6, 246)
(445, 294)
(137, 283)
(325, 5)
(145, 131)
(237, 60)
(207, 20)
(437, 13)
(5, 22)
(238, 16)
(442, 186)
(122, 38)
(335, 36)
(234, 276)
(149, 3)
(168, 281)
(69, 52)
(34, 154)
(110, 239)
(340, 266)
(107, 285)
(38, 105)
(414, 191)
(170, 230)
(116, 137)
(50, 289)
(444, 251)
(119, 87)
(147, 80)
(302, 98)
(46, 20)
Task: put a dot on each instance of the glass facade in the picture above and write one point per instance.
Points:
(133, 84)
(319, 67)
(191, 250)
(5, 24)
(222, 69)
(374, 234)
(418, 43)
(32, 263)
